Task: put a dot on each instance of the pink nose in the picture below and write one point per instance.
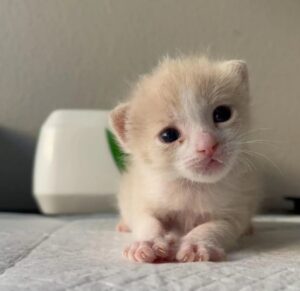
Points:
(207, 144)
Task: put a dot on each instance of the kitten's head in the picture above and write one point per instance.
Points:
(186, 117)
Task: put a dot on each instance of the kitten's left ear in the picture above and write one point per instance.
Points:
(119, 120)
(238, 69)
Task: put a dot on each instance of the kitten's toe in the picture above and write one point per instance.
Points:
(129, 251)
(145, 253)
(158, 250)
(161, 248)
(216, 254)
(199, 252)
(202, 253)
(186, 253)
(140, 252)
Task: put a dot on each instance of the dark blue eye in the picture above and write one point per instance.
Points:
(221, 114)
(169, 135)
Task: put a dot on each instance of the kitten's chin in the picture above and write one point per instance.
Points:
(216, 173)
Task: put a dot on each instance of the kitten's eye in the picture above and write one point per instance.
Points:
(221, 114)
(169, 135)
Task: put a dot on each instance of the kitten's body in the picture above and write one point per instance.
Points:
(169, 192)
(184, 201)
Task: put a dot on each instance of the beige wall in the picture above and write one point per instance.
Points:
(81, 54)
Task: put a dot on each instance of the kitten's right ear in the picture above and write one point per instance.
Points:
(238, 69)
(118, 120)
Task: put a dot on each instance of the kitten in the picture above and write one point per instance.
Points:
(186, 194)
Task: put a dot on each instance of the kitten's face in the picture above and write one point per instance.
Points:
(185, 119)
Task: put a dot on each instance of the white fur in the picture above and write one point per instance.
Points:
(204, 213)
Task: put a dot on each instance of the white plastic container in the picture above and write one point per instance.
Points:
(74, 171)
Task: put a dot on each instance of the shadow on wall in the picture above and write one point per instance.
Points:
(16, 164)
(277, 188)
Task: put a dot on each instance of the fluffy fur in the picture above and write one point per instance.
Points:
(176, 206)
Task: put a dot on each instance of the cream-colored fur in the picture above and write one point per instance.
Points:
(173, 210)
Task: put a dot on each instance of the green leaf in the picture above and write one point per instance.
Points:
(118, 155)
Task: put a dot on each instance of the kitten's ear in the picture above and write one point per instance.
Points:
(239, 69)
(118, 120)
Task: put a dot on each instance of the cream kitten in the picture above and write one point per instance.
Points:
(186, 194)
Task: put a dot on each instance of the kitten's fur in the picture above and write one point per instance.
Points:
(174, 210)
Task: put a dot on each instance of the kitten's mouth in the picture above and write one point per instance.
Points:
(208, 166)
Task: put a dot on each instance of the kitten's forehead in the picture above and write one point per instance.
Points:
(182, 89)
(189, 105)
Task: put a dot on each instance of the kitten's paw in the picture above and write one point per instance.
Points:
(140, 251)
(161, 248)
(199, 252)
(149, 251)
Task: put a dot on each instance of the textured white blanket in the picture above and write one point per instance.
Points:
(83, 253)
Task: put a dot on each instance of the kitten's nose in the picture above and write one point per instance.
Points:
(207, 144)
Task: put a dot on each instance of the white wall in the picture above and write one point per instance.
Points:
(81, 54)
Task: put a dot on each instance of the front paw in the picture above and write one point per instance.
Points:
(199, 252)
(149, 251)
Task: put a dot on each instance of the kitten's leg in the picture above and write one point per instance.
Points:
(208, 241)
(151, 243)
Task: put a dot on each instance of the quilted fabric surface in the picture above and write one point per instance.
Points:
(83, 253)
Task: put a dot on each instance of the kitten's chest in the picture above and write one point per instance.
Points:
(180, 198)
(183, 221)
(183, 208)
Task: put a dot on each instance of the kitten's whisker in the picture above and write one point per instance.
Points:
(218, 160)
(250, 163)
(258, 142)
(251, 153)
(255, 141)
(274, 142)
(254, 130)
(247, 164)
